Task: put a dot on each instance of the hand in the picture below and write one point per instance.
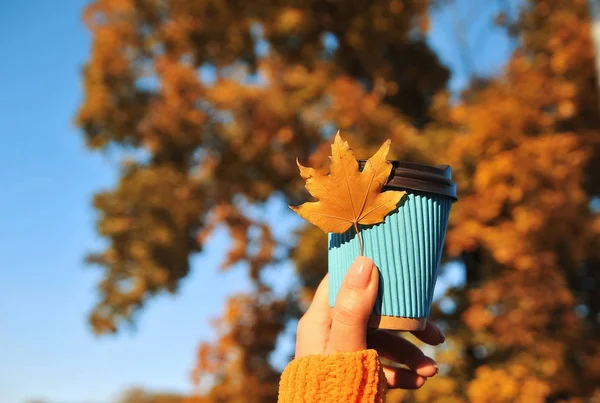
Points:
(343, 328)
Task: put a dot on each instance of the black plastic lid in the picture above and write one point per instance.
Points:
(424, 178)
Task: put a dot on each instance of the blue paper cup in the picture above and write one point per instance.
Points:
(406, 247)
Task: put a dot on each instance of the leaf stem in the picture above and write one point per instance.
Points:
(360, 242)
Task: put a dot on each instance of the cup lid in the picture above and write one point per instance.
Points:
(420, 177)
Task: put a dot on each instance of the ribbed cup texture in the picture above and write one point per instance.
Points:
(407, 249)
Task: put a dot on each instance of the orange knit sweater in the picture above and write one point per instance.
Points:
(341, 377)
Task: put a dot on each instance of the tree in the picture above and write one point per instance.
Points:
(525, 150)
(218, 99)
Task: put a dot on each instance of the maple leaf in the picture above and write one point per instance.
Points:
(346, 196)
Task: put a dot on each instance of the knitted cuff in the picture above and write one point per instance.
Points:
(341, 377)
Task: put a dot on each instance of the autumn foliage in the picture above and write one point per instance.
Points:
(349, 197)
(212, 102)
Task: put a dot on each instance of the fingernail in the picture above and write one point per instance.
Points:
(359, 275)
(433, 364)
(442, 335)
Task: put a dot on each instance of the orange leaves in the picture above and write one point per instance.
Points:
(226, 94)
(477, 317)
(514, 308)
(290, 19)
(174, 113)
(515, 194)
(249, 327)
(348, 197)
(500, 385)
(347, 101)
(257, 250)
(352, 106)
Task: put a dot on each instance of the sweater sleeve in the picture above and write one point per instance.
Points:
(341, 377)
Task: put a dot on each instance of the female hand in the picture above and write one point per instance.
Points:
(343, 328)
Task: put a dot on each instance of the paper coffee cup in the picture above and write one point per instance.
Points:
(406, 247)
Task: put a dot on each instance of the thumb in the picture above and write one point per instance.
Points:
(353, 307)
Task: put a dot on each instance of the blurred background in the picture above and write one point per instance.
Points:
(147, 156)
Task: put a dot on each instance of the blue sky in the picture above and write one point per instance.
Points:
(47, 224)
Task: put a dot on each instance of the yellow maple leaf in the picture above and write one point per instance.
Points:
(348, 197)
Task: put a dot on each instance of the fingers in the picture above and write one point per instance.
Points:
(319, 309)
(400, 378)
(402, 351)
(431, 335)
(353, 307)
(313, 327)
